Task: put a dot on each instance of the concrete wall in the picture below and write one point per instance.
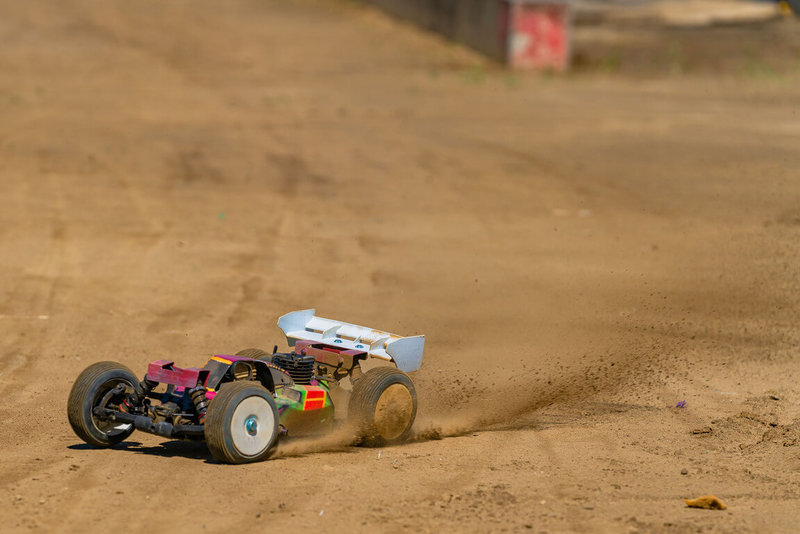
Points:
(475, 23)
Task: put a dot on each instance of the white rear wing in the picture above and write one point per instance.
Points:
(404, 352)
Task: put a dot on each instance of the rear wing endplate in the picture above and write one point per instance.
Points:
(404, 352)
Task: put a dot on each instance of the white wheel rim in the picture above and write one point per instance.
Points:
(252, 426)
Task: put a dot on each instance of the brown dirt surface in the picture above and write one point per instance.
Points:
(582, 253)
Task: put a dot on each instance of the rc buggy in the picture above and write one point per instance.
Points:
(240, 404)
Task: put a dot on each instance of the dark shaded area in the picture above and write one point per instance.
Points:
(475, 23)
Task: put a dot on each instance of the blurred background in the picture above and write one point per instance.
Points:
(590, 209)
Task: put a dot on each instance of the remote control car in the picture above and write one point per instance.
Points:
(241, 404)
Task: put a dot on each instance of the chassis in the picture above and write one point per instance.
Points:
(241, 404)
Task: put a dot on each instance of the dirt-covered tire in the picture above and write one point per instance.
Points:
(241, 423)
(88, 391)
(256, 354)
(383, 405)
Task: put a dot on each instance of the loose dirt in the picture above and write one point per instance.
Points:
(582, 253)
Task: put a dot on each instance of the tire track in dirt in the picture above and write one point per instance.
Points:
(40, 292)
(40, 296)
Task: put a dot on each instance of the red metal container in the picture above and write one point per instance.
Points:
(538, 34)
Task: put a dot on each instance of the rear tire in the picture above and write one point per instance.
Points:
(256, 354)
(87, 393)
(383, 406)
(241, 423)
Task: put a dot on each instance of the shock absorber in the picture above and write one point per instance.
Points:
(198, 395)
(133, 402)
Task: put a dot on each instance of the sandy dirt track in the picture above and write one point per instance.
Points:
(582, 254)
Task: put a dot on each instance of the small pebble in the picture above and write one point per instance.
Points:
(684, 471)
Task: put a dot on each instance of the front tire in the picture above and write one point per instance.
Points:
(87, 393)
(383, 406)
(241, 424)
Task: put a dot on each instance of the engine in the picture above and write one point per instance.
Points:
(299, 367)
